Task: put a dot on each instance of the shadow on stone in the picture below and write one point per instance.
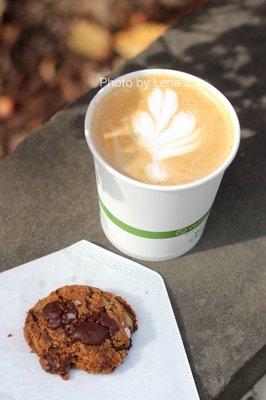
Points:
(180, 323)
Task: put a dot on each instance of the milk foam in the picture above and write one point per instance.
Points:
(163, 135)
(164, 131)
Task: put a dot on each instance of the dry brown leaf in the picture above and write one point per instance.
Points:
(137, 17)
(89, 39)
(47, 70)
(132, 41)
(9, 34)
(6, 107)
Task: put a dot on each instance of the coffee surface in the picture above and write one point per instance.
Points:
(162, 130)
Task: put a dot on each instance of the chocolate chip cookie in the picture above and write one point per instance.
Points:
(81, 327)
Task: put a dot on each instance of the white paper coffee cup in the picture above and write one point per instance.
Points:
(155, 222)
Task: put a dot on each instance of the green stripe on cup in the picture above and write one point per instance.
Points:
(151, 234)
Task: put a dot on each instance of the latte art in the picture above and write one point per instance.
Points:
(164, 130)
(162, 135)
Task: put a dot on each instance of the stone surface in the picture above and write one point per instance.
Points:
(48, 199)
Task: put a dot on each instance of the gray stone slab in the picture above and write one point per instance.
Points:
(48, 199)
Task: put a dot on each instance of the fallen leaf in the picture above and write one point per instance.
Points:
(89, 39)
(137, 17)
(9, 34)
(130, 42)
(47, 70)
(6, 107)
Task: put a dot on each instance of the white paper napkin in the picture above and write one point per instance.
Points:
(156, 366)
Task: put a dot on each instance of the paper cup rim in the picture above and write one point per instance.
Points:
(163, 188)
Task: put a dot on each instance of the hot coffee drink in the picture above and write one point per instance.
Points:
(162, 130)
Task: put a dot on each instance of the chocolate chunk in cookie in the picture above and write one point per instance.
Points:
(52, 312)
(109, 323)
(90, 333)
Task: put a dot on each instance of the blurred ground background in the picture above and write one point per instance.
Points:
(52, 51)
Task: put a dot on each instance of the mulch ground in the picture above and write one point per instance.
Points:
(54, 51)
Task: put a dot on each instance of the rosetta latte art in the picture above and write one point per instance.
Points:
(164, 131)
